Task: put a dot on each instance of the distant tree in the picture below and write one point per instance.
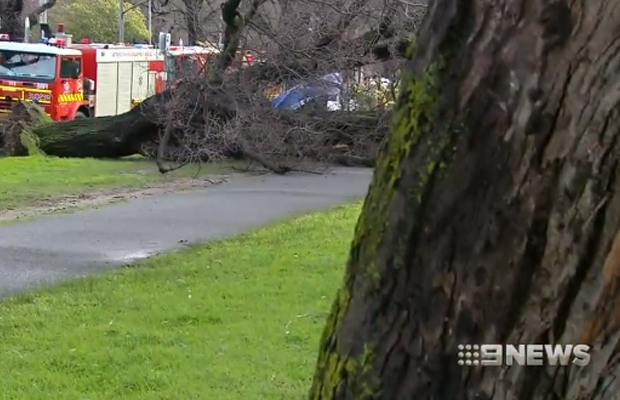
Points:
(98, 20)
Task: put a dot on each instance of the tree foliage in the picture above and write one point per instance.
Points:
(98, 20)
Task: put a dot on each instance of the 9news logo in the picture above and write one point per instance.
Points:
(491, 355)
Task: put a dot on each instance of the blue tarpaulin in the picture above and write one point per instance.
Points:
(294, 98)
(297, 96)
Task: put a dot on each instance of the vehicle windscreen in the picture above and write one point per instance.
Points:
(170, 67)
(27, 65)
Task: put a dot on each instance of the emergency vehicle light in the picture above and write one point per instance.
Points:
(85, 41)
(56, 42)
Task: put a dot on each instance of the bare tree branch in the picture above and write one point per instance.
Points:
(33, 17)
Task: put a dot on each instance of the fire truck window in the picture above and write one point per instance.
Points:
(67, 66)
(188, 65)
(27, 65)
(170, 67)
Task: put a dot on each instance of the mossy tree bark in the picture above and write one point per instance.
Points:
(493, 214)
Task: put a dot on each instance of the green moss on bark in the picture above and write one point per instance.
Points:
(419, 138)
(414, 117)
(331, 365)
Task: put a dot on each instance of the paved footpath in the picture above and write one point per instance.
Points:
(63, 246)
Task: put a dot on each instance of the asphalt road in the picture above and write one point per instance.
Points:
(63, 246)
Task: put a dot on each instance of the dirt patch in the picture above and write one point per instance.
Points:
(101, 197)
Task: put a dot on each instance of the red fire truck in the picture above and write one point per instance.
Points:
(89, 80)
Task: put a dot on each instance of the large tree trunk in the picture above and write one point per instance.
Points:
(493, 212)
(107, 137)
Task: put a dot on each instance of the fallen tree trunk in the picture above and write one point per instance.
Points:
(215, 122)
(106, 137)
(124, 134)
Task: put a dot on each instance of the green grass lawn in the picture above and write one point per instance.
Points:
(26, 180)
(235, 320)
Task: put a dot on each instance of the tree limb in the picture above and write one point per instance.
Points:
(235, 23)
(379, 45)
(33, 17)
(250, 154)
(163, 146)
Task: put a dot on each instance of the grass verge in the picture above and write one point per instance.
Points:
(237, 319)
(24, 181)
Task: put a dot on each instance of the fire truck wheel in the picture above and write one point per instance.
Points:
(80, 114)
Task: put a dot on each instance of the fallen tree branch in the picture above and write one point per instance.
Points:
(250, 154)
(354, 161)
(163, 146)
